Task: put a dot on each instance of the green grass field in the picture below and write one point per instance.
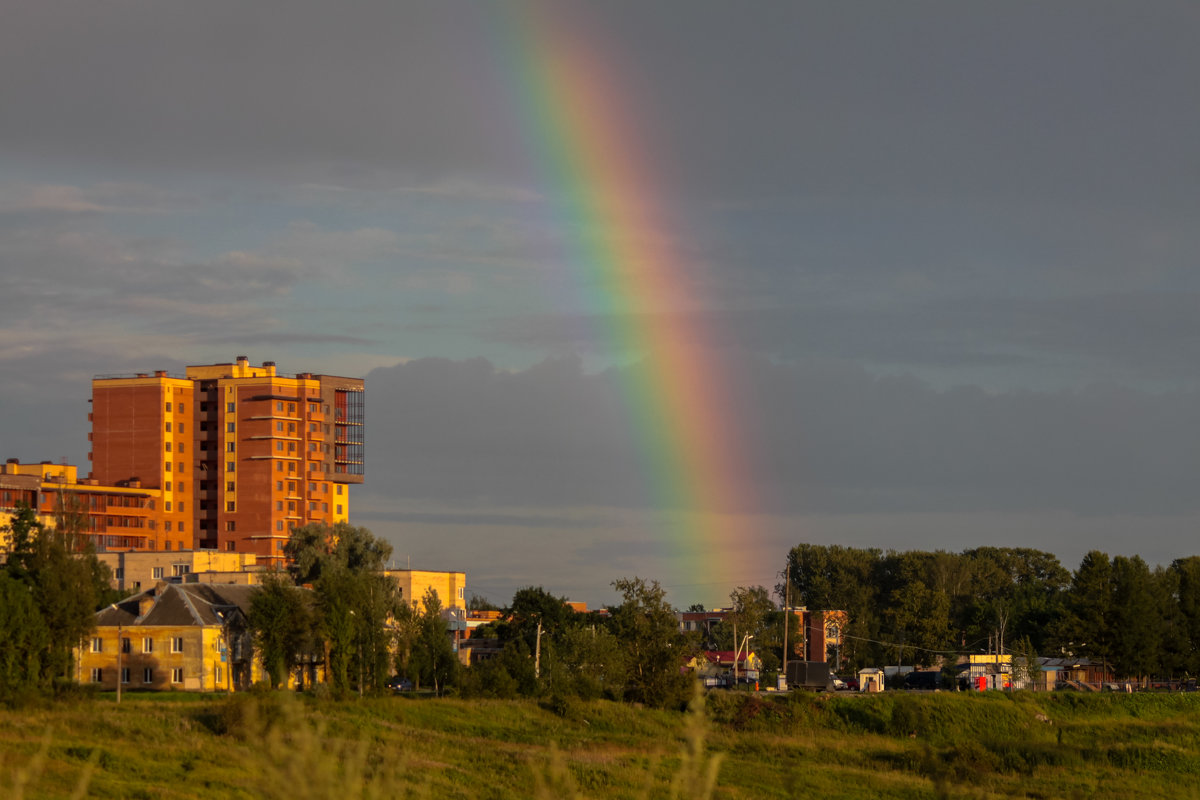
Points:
(737, 746)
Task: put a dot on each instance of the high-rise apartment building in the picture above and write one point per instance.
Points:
(240, 453)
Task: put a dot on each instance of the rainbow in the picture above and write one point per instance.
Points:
(584, 135)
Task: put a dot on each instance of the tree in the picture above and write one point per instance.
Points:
(480, 603)
(433, 656)
(282, 623)
(66, 582)
(645, 625)
(1136, 622)
(752, 613)
(836, 578)
(344, 564)
(918, 616)
(1187, 595)
(1086, 625)
(25, 636)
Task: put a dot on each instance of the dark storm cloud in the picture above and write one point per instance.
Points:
(822, 437)
(1017, 100)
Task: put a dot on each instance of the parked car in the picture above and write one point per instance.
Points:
(851, 683)
(398, 685)
(838, 683)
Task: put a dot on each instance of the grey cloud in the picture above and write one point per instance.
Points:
(528, 521)
(929, 99)
(821, 437)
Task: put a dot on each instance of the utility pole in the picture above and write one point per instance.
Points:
(537, 657)
(787, 617)
(118, 662)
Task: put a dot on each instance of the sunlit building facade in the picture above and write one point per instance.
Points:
(239, 454)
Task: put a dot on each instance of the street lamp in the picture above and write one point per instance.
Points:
(737, 654)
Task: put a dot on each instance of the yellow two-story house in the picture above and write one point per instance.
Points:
(189, 637)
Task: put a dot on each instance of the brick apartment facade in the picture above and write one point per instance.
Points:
(238, 454)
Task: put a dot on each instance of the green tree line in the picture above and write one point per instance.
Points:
(910, 607)
(51, 585)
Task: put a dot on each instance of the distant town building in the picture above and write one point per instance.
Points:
(412, 584)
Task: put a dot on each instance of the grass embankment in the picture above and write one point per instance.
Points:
(890, 745)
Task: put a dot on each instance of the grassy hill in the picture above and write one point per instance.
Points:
(737, 746)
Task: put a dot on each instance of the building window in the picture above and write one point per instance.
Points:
(218, 675)
(97, 644)
(176, 674)
(279, 407)
(230, 486)
(167, 527)
(168, 411)
(279, 446)
(147, 675)
(230, 407)
(278, 524)
(279, 466)
(167, 424)
(291, 466)
(156, 573)
(181, 531)
(230, 546)
(339, 488)
(167, 466)
(167, 505)
(179, 466)
(97, 675)
(180, 448)
(230, 447)
(168, 488)
(229, 506)
(119, 573)
(231, 466)
(124, 674)
(291, 408)
(279, 426)
(230, 525)
(279, 486)
(179, 426)
(179, 408)
(167, 445)
(147, 645)
(339, 509)
(126, 645)
(230, 427)
(179, 507)
(176, 644)
(180, 569)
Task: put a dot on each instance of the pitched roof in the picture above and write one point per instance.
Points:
(177, 604)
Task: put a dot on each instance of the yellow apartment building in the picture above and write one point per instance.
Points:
(133, 570)
(124, 515)
(413, 583)
(187, 637)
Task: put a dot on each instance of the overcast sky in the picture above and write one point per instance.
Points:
(948, 254)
